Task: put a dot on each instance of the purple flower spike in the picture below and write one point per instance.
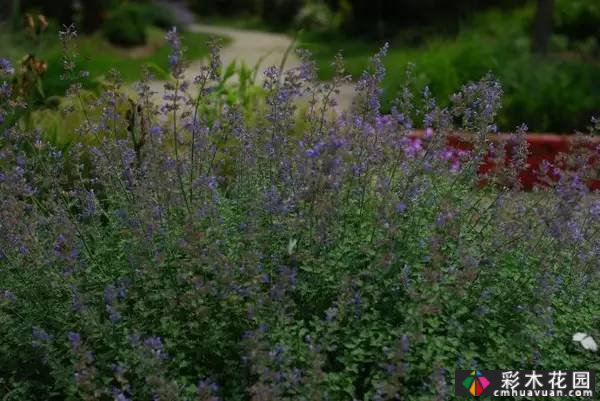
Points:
(75, 339)
(6, 67)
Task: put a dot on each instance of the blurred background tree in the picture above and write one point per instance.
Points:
(376, 19)
(542, 27)
(92, 13)
(370, 19)
(545, 52)
(60, 10)
(107, 30)
(364, 17)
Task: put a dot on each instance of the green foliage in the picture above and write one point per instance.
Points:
(224, 236)
(98, 56)
(60, 10)
(494, 41)
(578, 19)
(364, 18)
(159, 15)
(59, 119)
(126, 25)
(317, 17)
(237, 87)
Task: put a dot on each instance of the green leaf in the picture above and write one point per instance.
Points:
(291, 246)
(157, 70)
(229, 71)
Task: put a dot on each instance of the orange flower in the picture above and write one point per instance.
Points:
(40, 66)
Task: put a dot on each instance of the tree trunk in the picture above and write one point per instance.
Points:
(12, 13)
(380, 22)
(92, 15)
(542, 26)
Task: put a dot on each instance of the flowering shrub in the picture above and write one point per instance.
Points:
(192, 250)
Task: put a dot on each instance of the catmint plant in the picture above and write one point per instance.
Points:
(191, 247)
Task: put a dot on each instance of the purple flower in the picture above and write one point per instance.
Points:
(405, 276)
(39, 336)
(356, 170)
(76, 304)
(441, 219)
(574, 230)
(75, 339)
(212, 183)
(400, 207)
(207, 385)
(134, 338)
(128, 156)
(404, 343)
(155, 345)
(121, 397)
(173, 38)
(89, 207)
(330, 314)
(155, 131)
(440, 384)
(55, 154)
(113, 314)
(110, 299)
(173, 60)
(412, 146)
(121, 394)
(121, 214)
(455, 166)
(7, 295)
(6, 67)
(595, 209)
(110, 294)
(153, 342)
(118, 369)
(312, 153)
(391, 368)
(277, 353)
(5, 90)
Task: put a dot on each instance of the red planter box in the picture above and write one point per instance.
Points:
(541, 147)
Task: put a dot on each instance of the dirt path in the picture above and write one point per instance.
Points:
(246, 46)
(250, 47)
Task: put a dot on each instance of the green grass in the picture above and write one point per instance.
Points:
(97, 55)
(553, 93)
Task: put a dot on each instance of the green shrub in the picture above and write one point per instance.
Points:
(97, 56)
(493, 41)
(126, 25)
(283, 258)
(159, 15)
(316, 17)
(578, 19)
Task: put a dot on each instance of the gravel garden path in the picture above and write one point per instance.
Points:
(245, 46)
